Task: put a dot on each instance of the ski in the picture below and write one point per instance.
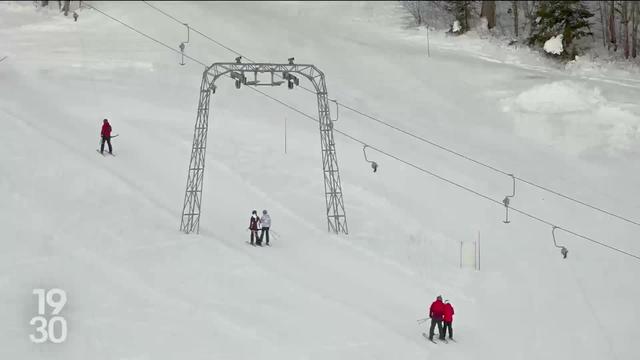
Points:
(107, 153)
(427, 337)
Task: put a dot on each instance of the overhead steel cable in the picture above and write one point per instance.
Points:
(463, 187)
(577, 201)
(392, 156)
(145, 35)
(418, 137)
(194, 30)
(212, 39)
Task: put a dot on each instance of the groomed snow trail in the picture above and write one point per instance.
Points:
(105, 229)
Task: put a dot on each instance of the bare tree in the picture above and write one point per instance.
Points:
(467, 13)
(529, 10)
(65, 8)
(625, 29)
(514, 4)
(612, 27)
(415, 8)
(604, 26)
(488, 11)
(635, 15)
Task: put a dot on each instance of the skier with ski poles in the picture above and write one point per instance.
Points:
(436, 313)
(105, 133)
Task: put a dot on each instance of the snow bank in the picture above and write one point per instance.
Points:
(574, 117)
(598, 63)
(558, 97)
(554, 45)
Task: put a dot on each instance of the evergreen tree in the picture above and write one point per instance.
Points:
(461, 10)
(567, 18)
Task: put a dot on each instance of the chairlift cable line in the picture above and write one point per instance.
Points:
(145, 35)
(421, 138)
(417, 167)
(395, 157)
(195, 30)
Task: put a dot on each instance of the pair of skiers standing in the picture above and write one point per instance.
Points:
(440, 312)
(256, 223)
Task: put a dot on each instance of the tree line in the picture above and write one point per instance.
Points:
(63, 5)
(581, 23)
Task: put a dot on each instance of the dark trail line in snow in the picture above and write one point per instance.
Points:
(486, 197)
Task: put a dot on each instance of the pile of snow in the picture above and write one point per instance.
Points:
(456, 26)
(554, 45)
(597, 62)
(575, 117)
(559, 97)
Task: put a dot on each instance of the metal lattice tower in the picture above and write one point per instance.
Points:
(336, 217)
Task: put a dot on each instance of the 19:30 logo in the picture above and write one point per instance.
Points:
(53, 329)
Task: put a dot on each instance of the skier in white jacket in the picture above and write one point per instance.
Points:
(265, 221)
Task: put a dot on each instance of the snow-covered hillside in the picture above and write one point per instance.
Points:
(105, 229)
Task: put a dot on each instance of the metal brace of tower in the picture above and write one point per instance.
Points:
(336, 216)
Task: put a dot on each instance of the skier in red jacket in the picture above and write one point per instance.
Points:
(106, 136)
(436, 313)
(448, 319)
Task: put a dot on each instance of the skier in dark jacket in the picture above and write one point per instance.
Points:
(106, 136)
(253, 227)
(448, 319)
(436, 313)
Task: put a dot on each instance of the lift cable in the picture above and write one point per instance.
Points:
(381, 151)
(420, 138)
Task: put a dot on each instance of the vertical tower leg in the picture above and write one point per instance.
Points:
(193, 193)
(336, 217)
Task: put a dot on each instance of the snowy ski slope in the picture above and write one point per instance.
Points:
(106, 229)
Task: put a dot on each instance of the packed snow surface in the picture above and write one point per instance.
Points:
(105, 229)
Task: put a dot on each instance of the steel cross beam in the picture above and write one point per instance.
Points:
(336, 216)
